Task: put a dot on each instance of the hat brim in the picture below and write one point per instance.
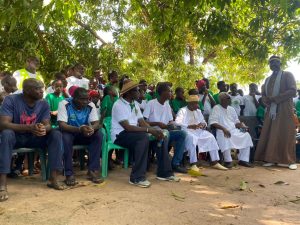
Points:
(129, 88)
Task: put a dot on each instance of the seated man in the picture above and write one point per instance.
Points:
(25, 123)
(192, 121)
(231, 133)
(79, 122)
(130, 130)
(158, 113)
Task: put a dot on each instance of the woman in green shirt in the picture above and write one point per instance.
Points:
(110, 97)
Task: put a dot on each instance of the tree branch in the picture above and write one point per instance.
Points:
(89, 29)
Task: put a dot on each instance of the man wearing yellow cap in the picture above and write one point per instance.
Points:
(191, 119)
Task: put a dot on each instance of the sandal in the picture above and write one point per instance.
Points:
(3, 195)
(94, 178)
(25, 173)
(70, 181)
(56, 186)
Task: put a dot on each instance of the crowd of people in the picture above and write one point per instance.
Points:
(149, 120)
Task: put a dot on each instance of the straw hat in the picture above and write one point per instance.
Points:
(193, 98)
(128, 85)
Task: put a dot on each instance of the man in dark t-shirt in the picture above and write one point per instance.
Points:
(25, 123)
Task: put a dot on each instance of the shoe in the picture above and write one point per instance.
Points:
(142, 183)
(195, 168)
(268, 164)
(245, 164)
(228, 165)
(218, 166)
(179, 169)
(170, 178)
(293, 167)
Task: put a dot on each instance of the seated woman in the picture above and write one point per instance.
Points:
(192, 121)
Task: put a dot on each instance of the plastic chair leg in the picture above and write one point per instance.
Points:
(30, 162)
(81, 158)
(104, 162)
(126, 156)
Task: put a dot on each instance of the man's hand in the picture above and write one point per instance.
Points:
(226, 132)
(157, 133)
(38, 129)
(54, 113)
(201, 125)
(162, 125)
(267, 100)
(193, 127)
(86, 130)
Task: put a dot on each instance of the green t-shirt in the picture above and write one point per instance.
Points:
(148, 97)
(177, 104)
(107, 104)
(53, 101)
(216, 98)
(260, 113)
(201, 107)
(297, 106)
(115, 87)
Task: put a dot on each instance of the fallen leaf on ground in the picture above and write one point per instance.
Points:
(296, 201)
(194, 173)
(280, 182)
(261, 185)
(177, 197)
(101, 184)
(251, 190)
(243, 185)
(229, 206)
(2, 210)
(271, 169)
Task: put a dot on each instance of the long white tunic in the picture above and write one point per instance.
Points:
(203, 139)
(228, 118)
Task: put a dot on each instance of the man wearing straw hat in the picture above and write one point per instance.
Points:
(277, 140)
(131, 131)
(231, 133)
(191, 119)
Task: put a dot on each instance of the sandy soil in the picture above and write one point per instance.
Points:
(192, 201)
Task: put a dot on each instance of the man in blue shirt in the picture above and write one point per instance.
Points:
(25, 123)
(78, 119)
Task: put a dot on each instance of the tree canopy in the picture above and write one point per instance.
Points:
(175, 40)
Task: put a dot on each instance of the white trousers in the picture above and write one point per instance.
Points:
(214, 155)
(244, 155)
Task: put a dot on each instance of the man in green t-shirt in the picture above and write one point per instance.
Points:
(222, 88)
(144, 86)
(113, 80)
(179, 101)
(54, 99)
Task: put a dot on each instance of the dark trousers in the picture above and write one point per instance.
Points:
(94, 143)
(11, 140)
(138, 144)
(164, 167)
(178, 137)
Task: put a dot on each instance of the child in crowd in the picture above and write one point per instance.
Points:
(54, 99)
(260, 113)
(110, 96)
(94, 96)
(9, 84)
(179, 101)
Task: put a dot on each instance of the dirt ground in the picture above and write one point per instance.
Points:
(194, 200)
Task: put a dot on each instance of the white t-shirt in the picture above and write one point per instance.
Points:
(62, 114)
(236, 102)
(17, 75)
(74, 81)
(1, 87)
(250, 108)
(156, 112)
(49, 90)
(207, 104)
(122, 111)
(143, 104)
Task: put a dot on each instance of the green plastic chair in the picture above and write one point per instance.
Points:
(30, 152)
(108, 146)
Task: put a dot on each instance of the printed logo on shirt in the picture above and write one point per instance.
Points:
(72, 117)
(26, 119)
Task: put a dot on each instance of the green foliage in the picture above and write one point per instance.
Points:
(175, 40)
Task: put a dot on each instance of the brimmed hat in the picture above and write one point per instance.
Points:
(128, 85)
(193, 98)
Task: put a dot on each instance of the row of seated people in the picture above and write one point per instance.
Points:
(25, 122)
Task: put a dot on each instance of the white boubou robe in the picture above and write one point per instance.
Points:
(200, 138)
(228, 118)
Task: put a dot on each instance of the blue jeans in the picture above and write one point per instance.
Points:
(11, 140)
(178, 137)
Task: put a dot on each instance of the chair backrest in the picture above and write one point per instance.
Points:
(107, 126)
(104, 138)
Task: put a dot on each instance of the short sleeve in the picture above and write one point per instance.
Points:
(62, 114)
(17, 76)
(242, 100)
(147, 109)
(7, 108)
(170, 115)
(139, 113)
(93, 114)
(117, 113)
